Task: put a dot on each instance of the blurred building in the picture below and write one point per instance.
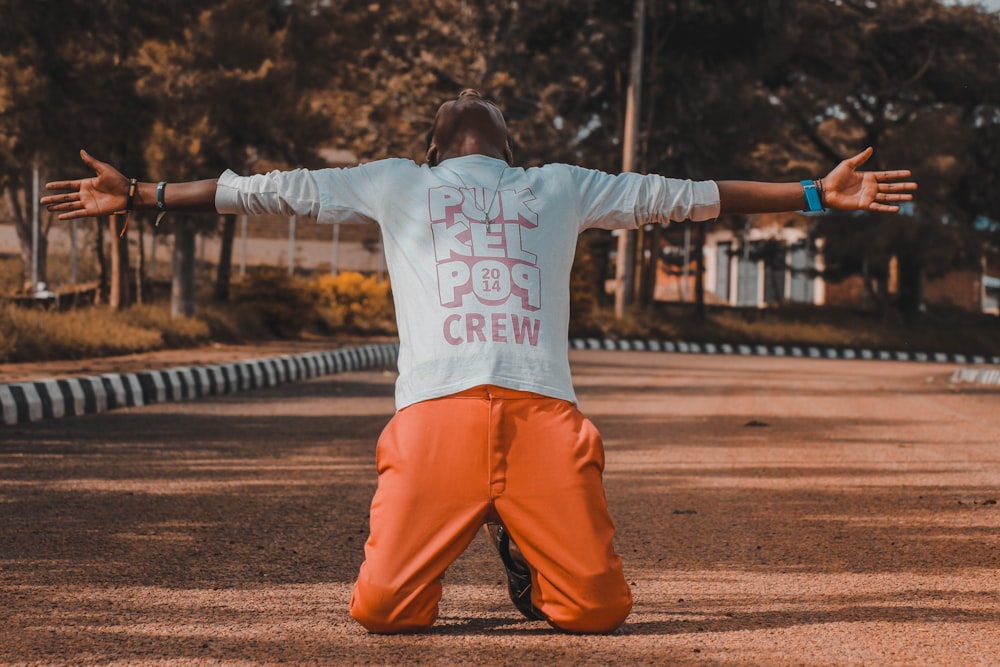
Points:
(773, 260)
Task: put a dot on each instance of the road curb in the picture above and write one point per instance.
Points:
(56, 398)
(800, 351)
(976, 375)
(68, 397)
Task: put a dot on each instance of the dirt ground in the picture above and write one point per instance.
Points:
(770, 512)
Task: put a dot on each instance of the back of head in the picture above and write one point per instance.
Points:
(468, 125)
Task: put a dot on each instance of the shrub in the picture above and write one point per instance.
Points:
(36, 335)
(176, 332)
(11, 275)
(283, 304)
(356, 303)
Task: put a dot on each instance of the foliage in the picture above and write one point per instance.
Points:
(228, 92)
(283, 304)
(11, 276)
(234, 89)
(37, 335)
(587, 282)
(779, 89)
(176, 332)
(354, 303)
(268, 304)
(940, 331)
(917, 80)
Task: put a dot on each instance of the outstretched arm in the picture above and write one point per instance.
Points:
(107, 193)
(844, 189)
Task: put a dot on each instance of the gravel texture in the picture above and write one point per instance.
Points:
(770, 512)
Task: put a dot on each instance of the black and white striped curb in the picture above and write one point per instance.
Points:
(800, 351)
(976, 375)
(55, 398)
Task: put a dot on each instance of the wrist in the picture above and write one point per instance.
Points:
(145, 196)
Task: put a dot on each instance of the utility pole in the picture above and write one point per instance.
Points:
(291, 245)
(335, 252)
(34, 229)
(243, 245)
(625, 267)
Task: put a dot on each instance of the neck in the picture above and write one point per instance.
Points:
(471, 145)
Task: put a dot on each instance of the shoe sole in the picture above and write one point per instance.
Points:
(518, 573)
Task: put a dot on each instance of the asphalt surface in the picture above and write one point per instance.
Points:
(771, 511)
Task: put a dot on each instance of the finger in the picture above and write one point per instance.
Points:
(64, 202)
(860, 158)
(64, 185)
(61, 206)
(67, 206)
(883, 208)
(885, 196)
(89, 160)
(58, 199)
(907, 186)
(72, 215)
(893, 175)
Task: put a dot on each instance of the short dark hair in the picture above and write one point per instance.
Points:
(430, 133)
(430, 137)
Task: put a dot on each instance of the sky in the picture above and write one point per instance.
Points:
(991, 5)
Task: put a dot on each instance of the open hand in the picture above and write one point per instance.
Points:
(847, 189)
(104, 194)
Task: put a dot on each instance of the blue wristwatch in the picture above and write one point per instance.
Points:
(813, 203)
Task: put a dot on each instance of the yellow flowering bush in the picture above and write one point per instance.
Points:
(356, 303)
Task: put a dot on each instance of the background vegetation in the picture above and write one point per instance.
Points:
(777, 89)
(269, 304)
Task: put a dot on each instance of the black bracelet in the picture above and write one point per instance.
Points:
(160, 204)
(133, 185)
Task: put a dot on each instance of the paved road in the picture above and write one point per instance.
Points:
(770, 511)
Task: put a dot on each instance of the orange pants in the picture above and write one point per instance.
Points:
(448, 465)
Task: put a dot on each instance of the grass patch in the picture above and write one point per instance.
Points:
(11, 278)
(949, 331)
(275, 306)
(174, 332)
(34, 335)
(266, 305)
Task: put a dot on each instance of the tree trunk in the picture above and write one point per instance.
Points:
(650, 264)
(103, 276)
(118, 296)
(23, 224)
(24, 239)
(140, 271)
(224, 271)
(699, 271)
(910, 295)
(43, 258)
(626, 269)
(182, 282)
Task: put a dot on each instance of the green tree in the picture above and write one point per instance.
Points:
(707, 114)
(916, 79)
(48, 94)
(230, 92)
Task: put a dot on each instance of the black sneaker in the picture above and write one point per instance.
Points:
(518, 574)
